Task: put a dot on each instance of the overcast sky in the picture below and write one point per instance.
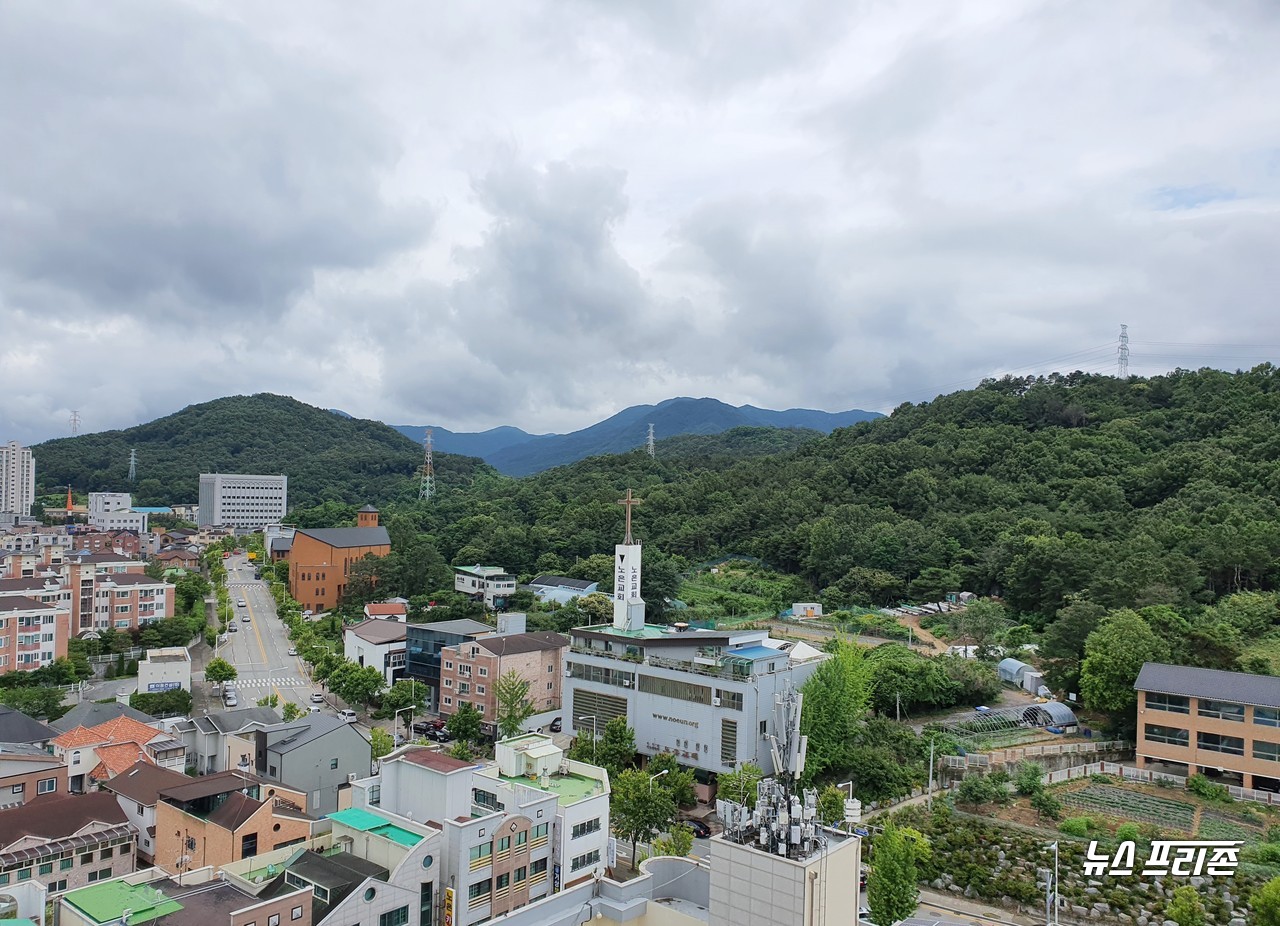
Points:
(537, 214)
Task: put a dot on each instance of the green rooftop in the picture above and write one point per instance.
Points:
(647, 632)
(568, 789)
(106, 902)
(367, 822)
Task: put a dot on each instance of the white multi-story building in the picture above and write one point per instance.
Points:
(102, 502)
(705, 696)
(515, 830)
(17, 479)
(492, 584)
(122, 519)
(239, 500)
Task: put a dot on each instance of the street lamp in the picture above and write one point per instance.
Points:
(1051, 891)
(595, 740)
(653, 778)
(396, 714)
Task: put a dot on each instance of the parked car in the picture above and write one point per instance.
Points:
(347, 715)
(293, 651)
(700, 829)
(557, 725)
(982, 708)
(313, 708)
(317, 697)
(441, 735)
(229, 699)
(232, 628)
(424, 727)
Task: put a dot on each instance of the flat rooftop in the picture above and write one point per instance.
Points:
(106, 902)
(568, 789)
(168, 657)
(647, 632)
(369, 822)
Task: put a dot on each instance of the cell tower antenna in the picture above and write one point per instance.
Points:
(648, 444)
(75, 422)
(1122, 353)
(427, 488)
(133, 465)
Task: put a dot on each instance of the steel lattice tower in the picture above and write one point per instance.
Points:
(75, 422)
(133, 465)
(427, 487)
(648, 444)
(1122, 353)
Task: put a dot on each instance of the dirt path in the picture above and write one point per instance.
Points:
(924, 636)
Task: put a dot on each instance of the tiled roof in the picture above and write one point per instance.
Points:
(17, 727)
(512, 643)
(379, 631)
(234, 810)
(143, 782)
(55, 816)
(22, 603)
(550, 581)
(350, 536)
(386, 607)
(121, 729)
(117, 758)
(89, 714)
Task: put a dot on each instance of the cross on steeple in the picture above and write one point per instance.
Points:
(628, 503)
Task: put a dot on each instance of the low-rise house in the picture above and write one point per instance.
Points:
(201, 899)
(470, 669)
(137, 790)
(217, 742)
(490, 584)
(316, 754)
(226, 817)
(165, 669)
(17, 727)
(65, 841)
(395, 610)
(561, 588)
(29, 771)
(97, 754)
(91, 714)
(378, 642)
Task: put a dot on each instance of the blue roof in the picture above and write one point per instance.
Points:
(756, 652)
(162, 509)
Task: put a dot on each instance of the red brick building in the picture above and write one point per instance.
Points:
(468, 670)
(320, 560)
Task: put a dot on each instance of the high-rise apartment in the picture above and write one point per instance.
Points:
(17, 479)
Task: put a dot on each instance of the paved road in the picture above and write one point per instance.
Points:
(260, 648)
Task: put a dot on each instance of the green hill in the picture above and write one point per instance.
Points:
(325, 456)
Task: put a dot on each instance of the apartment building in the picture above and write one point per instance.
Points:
(65, 841)
(32, 633)
(469, 670)
(1226, 724)
(425, 642)
(242, 500)
(490, 584)
(320, 560)
(17, 480)
(514, 831)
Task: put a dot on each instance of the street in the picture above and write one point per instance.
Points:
(259, 649)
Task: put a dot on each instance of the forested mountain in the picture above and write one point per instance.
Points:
(627, 430)
(1165, 490)
(325, 456)
(467, 443)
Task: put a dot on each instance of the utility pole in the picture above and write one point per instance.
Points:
(1051, 892)
(929, 801)
(427, 487)
(648, 444)
(1122, 353)
(897, 698)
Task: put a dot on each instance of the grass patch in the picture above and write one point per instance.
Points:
(741, 590)
(1125, 804)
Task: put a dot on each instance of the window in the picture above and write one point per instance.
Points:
(333, 763)
(448, 664)
(19, 788)
(480, 855)
(504, 844)
(106, 853)
(273, 920)
(248, 845)
(397, 917)
(1266, 716)
(46, 868)
(503, 882)
(1268, 751)
(57, 887)
(1170, 735)
(1221, 710)
(539, 867)
(550, 669)
(448, 701)
(479, 892)
(670, 688)
(1174, 704)
(582, 861)
(588, 826)
(65, 864)
(102, 874)
(86, 859)
(728, 742)
(522, 839)
(550, 686)
(479, 689)
(4, 878)
(1215, 742)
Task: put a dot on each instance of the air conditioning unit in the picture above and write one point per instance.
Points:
(568, 673)
(626, 683)
(715, 702)
(351, 777)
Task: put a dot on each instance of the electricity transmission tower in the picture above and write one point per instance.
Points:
(648, 444)
(133, 465)
(1122, 353)
(75, 422)
(427, 487)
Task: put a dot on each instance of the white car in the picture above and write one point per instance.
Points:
(293, 651)
(348, 715)
(317, 697)
(241, 603)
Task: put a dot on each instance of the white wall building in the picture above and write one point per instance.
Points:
(491, 583)
(379, 642)
(122, 519)
(240, 500)
(164, 670)
(515, 831)
(102, 502)
(17, 479)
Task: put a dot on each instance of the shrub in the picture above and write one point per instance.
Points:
(1046, 805)
(1076, 826)
(979, 789)
(1201, 786)
(1267, 853)
(1102, 779)
(1027, 780)
(1127, 832)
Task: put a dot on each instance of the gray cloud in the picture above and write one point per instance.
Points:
(830, 205)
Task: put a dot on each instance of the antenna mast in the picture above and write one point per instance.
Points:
(427, 488)
(1122, 358)
(133, 465)
(648, 444)
(75, 422)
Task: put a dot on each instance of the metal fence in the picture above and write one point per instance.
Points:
(1023, 753)
(1149, 776)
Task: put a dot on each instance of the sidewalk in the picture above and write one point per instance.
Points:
(981, 913)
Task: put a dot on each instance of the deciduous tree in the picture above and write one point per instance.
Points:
(892, 891)
(1114, 654)
(739, 785)
(511, 692)
(638, 810)
(464, 724)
